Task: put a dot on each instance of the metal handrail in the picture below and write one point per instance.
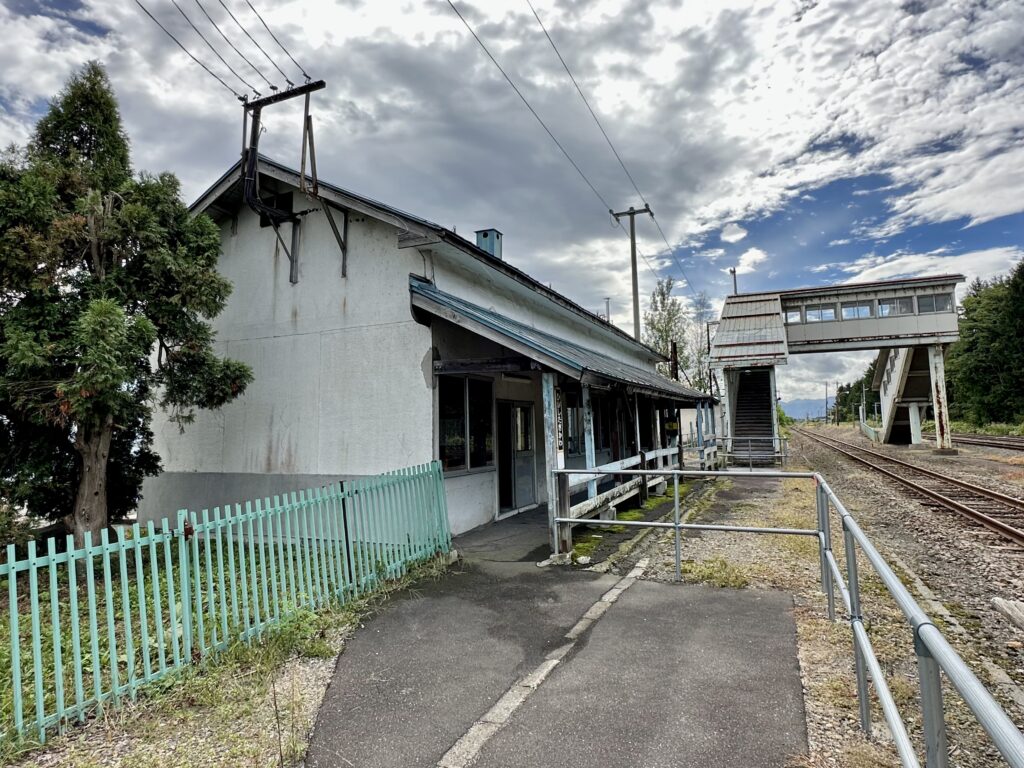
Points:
(934, 653)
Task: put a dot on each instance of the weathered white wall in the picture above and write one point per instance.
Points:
(343, 380)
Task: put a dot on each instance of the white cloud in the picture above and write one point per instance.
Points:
(733, 232)
(749, 260)
(730, 109)
(986, 263)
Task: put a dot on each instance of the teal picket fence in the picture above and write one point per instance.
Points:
(89, 627)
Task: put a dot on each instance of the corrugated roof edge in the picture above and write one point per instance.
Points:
(853, 287)
(452, 238)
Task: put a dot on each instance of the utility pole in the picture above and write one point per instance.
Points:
(608, 308)
(673, 357)
(825, 420)
(632, 212)
(735, 290)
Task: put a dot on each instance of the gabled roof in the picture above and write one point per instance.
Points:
(225, 196)
(566, 357)
(750, 333)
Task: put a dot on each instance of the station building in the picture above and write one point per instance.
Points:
(380, 340)
(910, 321)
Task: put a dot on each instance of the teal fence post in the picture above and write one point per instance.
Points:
(76, 639)
(140, 585)
(12, 598)
(94, 635)
(158, 617)
(184, 586)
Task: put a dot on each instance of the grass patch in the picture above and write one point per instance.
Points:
(718, 572)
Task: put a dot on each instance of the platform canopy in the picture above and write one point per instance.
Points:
(566, 357)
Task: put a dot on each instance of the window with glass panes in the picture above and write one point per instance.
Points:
(935, 302)
(900, 305)
(465, 423)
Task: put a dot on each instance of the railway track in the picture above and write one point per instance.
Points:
(996, 511)
(1007, 442)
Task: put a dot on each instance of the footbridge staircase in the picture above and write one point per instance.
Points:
(910, 321)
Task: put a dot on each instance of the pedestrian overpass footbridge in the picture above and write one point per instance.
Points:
(909, 321)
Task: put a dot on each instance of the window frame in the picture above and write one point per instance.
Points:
(867, 304)
(895, 302)
(819, 308)
(467, 468)
(947, 297)
(799, 316)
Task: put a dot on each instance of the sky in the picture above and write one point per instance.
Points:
(802, 142)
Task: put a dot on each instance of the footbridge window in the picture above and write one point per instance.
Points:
(793, 316)
(936, 302)
(901, 305)
(856, 310)
(818, 313)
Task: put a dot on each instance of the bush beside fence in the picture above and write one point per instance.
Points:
(88, 627)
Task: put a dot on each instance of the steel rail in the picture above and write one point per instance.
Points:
(1006, 442)
(1010, 532)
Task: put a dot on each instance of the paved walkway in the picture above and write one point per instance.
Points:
(476, 669)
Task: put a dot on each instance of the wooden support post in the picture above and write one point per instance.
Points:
(588, 439)
(657, 436)
(700, 435)
(547, 385)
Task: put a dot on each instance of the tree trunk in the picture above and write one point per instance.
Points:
(90, 513)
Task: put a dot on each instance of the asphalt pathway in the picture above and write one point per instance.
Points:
(664, 675)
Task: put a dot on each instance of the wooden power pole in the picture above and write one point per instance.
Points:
(632, 212)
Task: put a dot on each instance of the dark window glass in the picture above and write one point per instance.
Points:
(481, 424)
(451, 406)
(925, 304)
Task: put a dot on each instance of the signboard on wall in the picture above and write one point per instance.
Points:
(560, 427)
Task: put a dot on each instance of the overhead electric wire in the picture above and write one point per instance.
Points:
(188, 53)
(256, 43)
(215, 51)
(611, 146)
(234, 47)
(280, 44)
(543, 125)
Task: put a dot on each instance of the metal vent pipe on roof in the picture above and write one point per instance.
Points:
(489, 240)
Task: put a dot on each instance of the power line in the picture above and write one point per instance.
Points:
(543, 125)
(280, 44)
(235, 48)
(611, 146)
(254, 42)
(209, 71)
(215, 51)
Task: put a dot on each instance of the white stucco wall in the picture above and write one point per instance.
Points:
(342, 372)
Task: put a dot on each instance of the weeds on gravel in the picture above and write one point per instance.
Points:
(718, 572)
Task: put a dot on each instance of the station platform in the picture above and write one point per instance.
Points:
(458, 672)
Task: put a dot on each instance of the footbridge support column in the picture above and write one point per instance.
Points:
(937, 371)
(915, 424)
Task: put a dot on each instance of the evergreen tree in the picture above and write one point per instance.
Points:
(986, 366)
(108, 286)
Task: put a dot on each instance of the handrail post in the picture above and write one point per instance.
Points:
(934, 721)
(826, 528)
(563, 531)
(643, 478)
(863, 698)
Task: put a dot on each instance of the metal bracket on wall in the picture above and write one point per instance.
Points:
(341, 235)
